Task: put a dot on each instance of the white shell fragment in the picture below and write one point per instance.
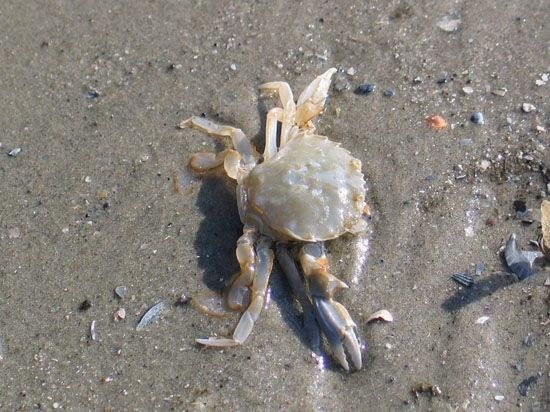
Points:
(151, 315)
(383, 314)
(545, 220)
(482, 319)
(93, 330)
(450, 22)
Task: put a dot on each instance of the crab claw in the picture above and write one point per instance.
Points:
(340, 330)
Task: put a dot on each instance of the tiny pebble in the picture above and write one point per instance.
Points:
(465, 142)
(467, 90)
(365, 88)
(55, 405)
(499, 398)
(528, 107)
(87, 179)
(93, 94)
(417, 80)
(351, 71)
(480, 267)
(15, 152)
(544, 77)
(477, 118)
(388, 346)
(233, 66)
(469, 231)
(388, 93)
(540, 129)
(540, 82)
(528, 341)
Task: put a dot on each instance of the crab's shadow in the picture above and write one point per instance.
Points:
(215, 245)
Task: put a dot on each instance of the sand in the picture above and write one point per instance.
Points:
(92, 93)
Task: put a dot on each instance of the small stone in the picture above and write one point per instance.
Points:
(351, 71)
(233, 66)
(87, 179)
(499, 398)
(388, 93)
(544, 77)
(465, 142)
(499, 92)
(417, 80)
(484, 165)
(467, 90)
(540, 129)
(528, 341)
(477, 118)
(528, 107)
(469, 231)
(365, 88)
(540, 82)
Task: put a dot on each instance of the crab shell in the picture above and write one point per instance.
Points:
(311, 190)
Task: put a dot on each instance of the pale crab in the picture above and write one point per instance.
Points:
(298, 195)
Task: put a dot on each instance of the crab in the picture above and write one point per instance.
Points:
(293, 198)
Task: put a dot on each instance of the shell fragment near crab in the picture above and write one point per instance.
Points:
(296, 195)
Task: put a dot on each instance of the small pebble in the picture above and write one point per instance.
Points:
(528, 341)
(233, 66)
(388, 93)
(528, 107)
(365, 88)
(467, 90)
(15, 152)
(477, 118)
(417, 80)
(499, 398)
(480, 267)
(465, 142)
(540, 129)
(92, 94)
(524, 385)
(351, 71)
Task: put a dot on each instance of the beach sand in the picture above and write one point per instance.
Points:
(99, 197)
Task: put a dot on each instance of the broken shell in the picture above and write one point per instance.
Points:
(482, 319)
(436, 122)
(519, 261)
(463, 279)
(383, 314)
(545, 220)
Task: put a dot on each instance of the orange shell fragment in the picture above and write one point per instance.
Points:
(436, 122)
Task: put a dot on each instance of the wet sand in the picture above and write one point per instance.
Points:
(92, 94)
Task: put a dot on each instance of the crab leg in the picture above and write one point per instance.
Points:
(271, 132)
(289, 107)
(290, 270)
(334, 319)
(256, 262)
(240, 142)
(312, 100)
